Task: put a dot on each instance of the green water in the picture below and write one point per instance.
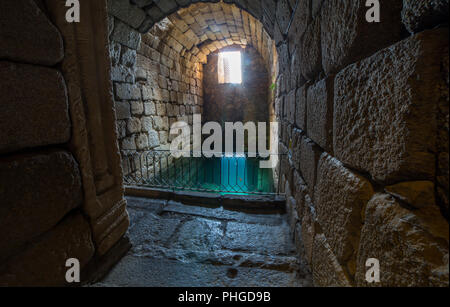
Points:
(226, 175)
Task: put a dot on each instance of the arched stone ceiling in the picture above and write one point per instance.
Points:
(202, 28)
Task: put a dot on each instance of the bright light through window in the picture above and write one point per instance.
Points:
(230, 67)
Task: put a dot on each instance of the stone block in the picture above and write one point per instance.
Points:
(308, 228)
(385, 109)
(36, 192)
(327, 272)
(123, 110)
(126, 12)
(35, 110)
(134, 125)
(43, 263)
(301, 103)
(309, 159)
(418, 15)
(346, 35)
(27, 35)
(310, 51)
(126, 35)
(283, 16)
(320, 113)
(126, 91)
(412, 246)
(340, 197)
(418, 194)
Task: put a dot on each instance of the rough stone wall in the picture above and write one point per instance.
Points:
(158, 75)
(246, 102)
(155, 86)
(364, 123)
(41, 194)
(363, 110)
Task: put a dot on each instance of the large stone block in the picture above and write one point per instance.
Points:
(126, 35)
(290, 106)
(36, 192)
(327, 272)
(309, 159)
(320, 113)
(340, 197)
(300, 21)
(417, 194)
(308, 228)
(123, 110)
(301, 102)
(412, 246)
(34, 107)
(26, 34)
(125, 11)
(43, 263)
(385, 109)
(295, 147)
(418, 15)
(284, 12)
(347, 36)
(310, 51)
(126, 91)
(299, 192)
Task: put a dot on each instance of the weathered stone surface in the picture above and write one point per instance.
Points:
(150, 108)
(137, 107)
(125, 11)
(310, 51)
(320, 113)
(419, 15)
(301, 103)
(284, 12)
(385, 109)
(339, 198)
(125, 91)
(300, 21)
(36, 192)
(44, 262)
(34, 107)
(142, 141)
(134, 125)
(327, 271)
(172, 238)
(348, 37)
(299, 192)
(123, 110)
(412, 246)
(291, 106)
(125, 35)
(316, 6)
(295, 147)
(26, 34)
(308, 226)
(309, 159)
(122, 74)
(293, 218)
(153, 139)
(418, 194)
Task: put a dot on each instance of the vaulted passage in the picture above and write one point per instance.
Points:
(171, 74)
(101, 122)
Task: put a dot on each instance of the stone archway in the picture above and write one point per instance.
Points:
(364, 113)
(158, 76)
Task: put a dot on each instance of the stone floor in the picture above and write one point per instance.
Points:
(187, 246)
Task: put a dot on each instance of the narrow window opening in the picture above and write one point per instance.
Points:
(230, 67)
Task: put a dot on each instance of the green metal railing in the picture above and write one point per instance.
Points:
(227, 173)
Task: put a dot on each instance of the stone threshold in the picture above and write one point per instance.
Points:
(245, 203)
